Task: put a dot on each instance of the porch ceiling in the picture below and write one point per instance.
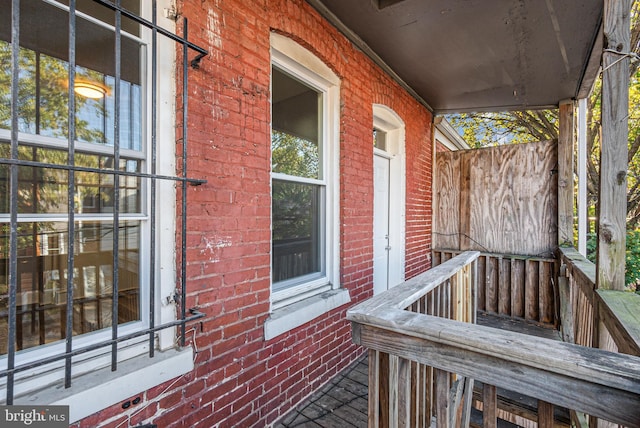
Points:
(472, 55)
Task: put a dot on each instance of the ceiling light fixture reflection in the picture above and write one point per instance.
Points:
(90, 90)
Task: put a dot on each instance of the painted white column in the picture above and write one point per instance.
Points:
(583, 212)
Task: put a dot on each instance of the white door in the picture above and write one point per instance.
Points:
(381, 248)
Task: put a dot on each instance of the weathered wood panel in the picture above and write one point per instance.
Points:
(506, 199)
(446, 196)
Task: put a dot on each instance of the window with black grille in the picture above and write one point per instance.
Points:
(79, 179)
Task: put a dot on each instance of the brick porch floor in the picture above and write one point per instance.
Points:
(341, 403)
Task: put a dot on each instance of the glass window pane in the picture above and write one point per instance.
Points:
(105, 14)
(44, 76)
(26, 89)
(296, 226)
(379, 139)
(296, 132)
(42, 280)
(45, 190)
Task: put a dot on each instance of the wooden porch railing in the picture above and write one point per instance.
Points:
(423, 364)
(513, 285)
(604, 319)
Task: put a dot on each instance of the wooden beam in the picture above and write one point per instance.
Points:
(565, 174)
(613, 161)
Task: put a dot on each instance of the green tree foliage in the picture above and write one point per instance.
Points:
(295, 156)
(632, 270)
(294, 204)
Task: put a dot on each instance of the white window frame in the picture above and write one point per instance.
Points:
(94, 386)
(295, 305)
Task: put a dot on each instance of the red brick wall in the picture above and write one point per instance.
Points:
(240, 379)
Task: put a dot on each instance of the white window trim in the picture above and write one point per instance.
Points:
(297, 305)
(94, 386)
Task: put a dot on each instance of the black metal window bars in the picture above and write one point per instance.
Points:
(14, 163)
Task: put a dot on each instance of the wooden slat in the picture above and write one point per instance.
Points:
(374, 389)
(545, 414)
(482, 283)
(430, 407)
(532, 286)
(517, 288)
(404, 392)
(394, 362)
(467, 402)
(442, 398)
(546, 293)
(489, 406)
(455, 403)
(566, 310)
(492, 285)
(435, 258)
(504, 286)
(414, 400)
(383, 386)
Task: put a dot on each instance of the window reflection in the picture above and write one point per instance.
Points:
(45, 190)
(296, 243)
(296, 131)
(43, 273)
(43, 80)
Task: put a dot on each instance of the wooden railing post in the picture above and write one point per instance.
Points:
(614, 146)
(565, 174)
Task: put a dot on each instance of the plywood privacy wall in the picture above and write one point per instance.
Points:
(497, 200)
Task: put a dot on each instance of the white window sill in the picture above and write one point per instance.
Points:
(294, 315)
(103, 388)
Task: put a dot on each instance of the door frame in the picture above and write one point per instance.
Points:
(388, 121)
